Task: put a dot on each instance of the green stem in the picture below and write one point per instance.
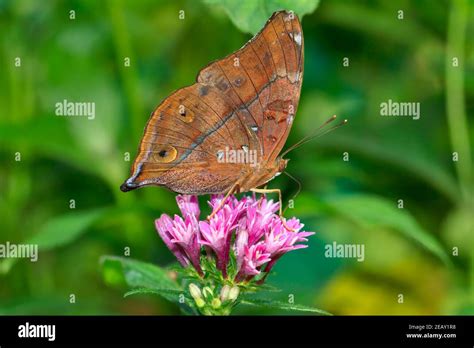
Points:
(456, 111)
(127, 74)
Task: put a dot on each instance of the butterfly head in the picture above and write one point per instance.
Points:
(281, 164)
(133, 182)
(125, 187)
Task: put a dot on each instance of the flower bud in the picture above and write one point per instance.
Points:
(216, 303)
(195, 291)
(199, 302)
(225, 293)
(234, 293)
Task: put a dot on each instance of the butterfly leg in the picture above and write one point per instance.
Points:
(265, 190)
(261, 198)
(235, 188)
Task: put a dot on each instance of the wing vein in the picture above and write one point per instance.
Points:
(243, 104)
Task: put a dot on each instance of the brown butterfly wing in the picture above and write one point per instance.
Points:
(264, 77)
(246, 100)
(181, 141)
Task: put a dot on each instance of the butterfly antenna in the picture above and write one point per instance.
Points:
(318, 132)
(297, 191)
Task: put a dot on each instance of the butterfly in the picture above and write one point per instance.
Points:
(224, 133)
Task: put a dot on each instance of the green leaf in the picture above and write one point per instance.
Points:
(51, 304)
(370, 211)
(377, 22)
(66, 146)
(30, 135)
(387, 150)
(251, 15)
(144, 277)
(171, 295)
(272, 304)
(458, 229)
(137, 274)
(166, 293)
(59, 231)
(267, 288)
(64, 229)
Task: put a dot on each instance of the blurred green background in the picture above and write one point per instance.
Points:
(408, 251)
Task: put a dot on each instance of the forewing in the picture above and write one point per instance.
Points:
(243, 104)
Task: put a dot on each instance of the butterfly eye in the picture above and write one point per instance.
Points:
(165, 154)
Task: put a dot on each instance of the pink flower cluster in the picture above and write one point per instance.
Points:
(260, 235)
